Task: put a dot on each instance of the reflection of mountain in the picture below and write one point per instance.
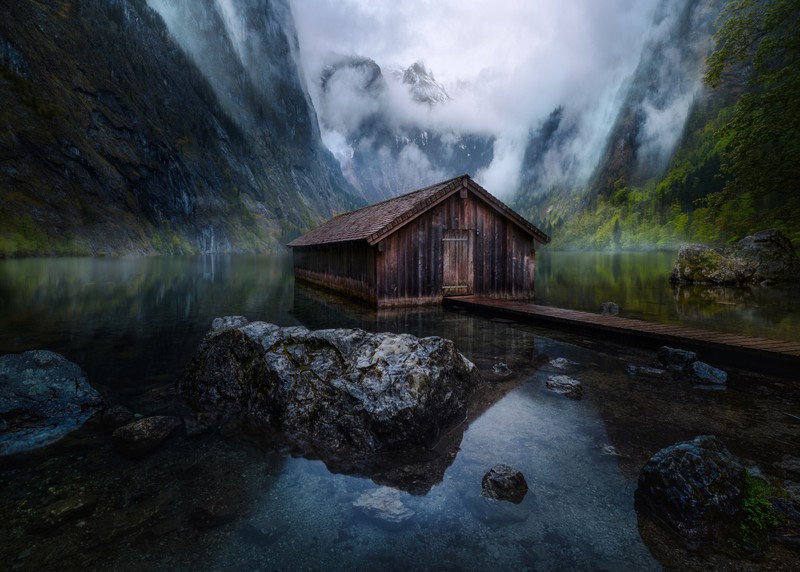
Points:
(383, 130)
(130, 322)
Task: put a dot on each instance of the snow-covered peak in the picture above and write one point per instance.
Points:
(422, 85)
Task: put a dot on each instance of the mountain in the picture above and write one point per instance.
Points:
(123, 134)
(663, 132)
(384, 130)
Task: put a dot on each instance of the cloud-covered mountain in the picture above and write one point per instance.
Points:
(384, 130)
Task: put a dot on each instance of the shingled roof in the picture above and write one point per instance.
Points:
(375, 222)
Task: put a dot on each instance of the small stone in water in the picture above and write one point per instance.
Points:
(565, 385)
(384, 506)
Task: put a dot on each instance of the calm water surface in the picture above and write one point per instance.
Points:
(133, 323)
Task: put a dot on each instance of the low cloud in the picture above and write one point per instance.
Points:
(507, 65)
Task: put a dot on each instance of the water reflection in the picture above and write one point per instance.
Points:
(638, 282)
(213, 503)
(133, 322)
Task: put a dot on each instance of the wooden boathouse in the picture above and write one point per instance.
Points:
(450, 239)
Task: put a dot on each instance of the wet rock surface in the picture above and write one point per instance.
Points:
(696, 487)
(335, 390)
(565, 385)
(503, 482)
(765, 256)
(684, 365)
(43, 396)
(140, 437)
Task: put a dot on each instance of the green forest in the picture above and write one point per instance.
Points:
(736, 169)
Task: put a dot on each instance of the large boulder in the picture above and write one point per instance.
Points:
(696, 487)
(765, 256)
(771, 255)
(43, 396)
(337, 390)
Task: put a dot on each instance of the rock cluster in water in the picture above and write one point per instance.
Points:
(43, 396)
(337, 390)
(685, 363)
(765, 256)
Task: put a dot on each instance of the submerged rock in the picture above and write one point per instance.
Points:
(701, 372)
(43, 396)
(675, 359)
(645, 371)
(767, 256)
(116, 416)
(565, 385)
(685, 364)
(609, 309)
(63, 511)
(335, 390)
(696, 487)
(384, 506)
(501, 369)
(140, 437)
(503, 482)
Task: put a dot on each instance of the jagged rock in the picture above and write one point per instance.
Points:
(701, 372)
(503, 482)
(140, 437)
(116, 416)
(334, 390)
(565, 385)
(384, 506)
(43, 396)
(675, 359)
(766, 256)
(609, 309)
(696, 487)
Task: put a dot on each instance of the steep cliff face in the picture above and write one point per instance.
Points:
(114, 140)
(654, 108)
(666, 85)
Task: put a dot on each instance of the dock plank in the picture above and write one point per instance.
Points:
(781, 353)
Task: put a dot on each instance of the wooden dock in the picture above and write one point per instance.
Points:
(747, 352)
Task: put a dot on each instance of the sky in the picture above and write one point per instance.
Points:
(507, 63)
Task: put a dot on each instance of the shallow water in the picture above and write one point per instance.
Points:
(132, 324)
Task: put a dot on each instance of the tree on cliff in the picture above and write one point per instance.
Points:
(760, 143)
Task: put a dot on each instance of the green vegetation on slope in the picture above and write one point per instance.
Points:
(736, 169)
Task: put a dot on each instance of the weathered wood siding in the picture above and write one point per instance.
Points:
(410, 262)
(346, 267)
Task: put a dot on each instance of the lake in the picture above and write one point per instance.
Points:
(133, 323)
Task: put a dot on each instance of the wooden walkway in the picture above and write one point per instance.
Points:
(747, 352)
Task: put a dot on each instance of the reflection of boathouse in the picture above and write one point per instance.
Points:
(449, 239)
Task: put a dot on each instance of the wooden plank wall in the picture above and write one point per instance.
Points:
(348, 268)
(409, 269)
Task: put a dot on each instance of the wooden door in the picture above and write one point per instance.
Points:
(457, 274)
